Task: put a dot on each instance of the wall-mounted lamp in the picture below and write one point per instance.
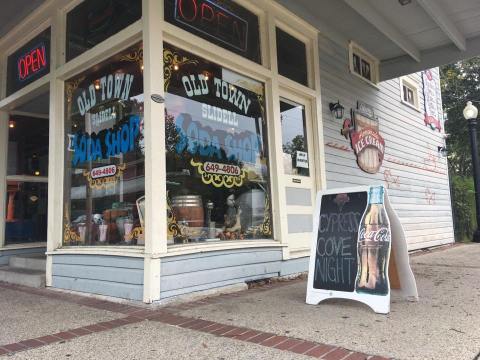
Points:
(11, 124)
(336, 109)
(442, 150)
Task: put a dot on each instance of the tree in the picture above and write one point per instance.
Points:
(459, 83)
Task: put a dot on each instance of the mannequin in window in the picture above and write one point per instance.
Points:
(232, 216)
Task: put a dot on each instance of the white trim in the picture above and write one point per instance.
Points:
(155, 160)
(27, 178)
(29, 114)
(176, 250)
(355, 49)
(414, 86)
(128, 251)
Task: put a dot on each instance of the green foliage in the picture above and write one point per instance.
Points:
(460, 82)
(463, 201)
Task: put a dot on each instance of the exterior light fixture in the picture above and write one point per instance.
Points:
(442, 150)
(336, 109)
(470, 113)
(11, 124)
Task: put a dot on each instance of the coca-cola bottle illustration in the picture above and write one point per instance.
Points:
(373, 246)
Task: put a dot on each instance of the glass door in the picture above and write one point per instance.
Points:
(299, 168)
(27, 178)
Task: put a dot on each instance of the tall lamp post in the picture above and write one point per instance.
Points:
(470, 113)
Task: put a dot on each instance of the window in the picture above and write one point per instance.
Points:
(294, 138)
(105, 172)
(218, 182)
(363, 64)
(291, 57)
(94, 21)
(222, 22)
(409, 92)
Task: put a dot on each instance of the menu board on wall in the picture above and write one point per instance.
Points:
(222, 22)
(350, 254)
(29, 63)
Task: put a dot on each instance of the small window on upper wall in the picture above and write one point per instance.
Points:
(94, 21)
(409, 92)
(363, 64)
(292, 57)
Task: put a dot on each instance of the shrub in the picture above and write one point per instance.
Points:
(463, 204)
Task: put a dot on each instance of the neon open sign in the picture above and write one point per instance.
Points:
(214, 21)
(32, 62)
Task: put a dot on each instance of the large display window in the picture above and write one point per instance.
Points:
(105, 170)
(218, 182)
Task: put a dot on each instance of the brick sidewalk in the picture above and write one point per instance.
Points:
(170, 315)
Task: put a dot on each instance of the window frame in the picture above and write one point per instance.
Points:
(356, 50)
(411, 84)
(154, 31)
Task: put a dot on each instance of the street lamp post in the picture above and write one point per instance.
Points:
(470, 113)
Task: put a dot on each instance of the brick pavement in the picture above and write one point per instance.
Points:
(170, 315)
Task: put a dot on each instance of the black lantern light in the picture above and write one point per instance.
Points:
(337, 110)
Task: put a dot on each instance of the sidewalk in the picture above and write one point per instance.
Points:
(272, 322)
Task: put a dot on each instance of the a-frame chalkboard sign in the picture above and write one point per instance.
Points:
(359, 250)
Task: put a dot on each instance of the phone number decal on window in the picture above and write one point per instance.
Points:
(223, 169)
(103, 171)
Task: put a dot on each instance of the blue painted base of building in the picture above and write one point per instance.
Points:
(117, 276)
(122, 277)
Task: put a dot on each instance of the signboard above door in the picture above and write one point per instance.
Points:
(29, 63)
(223, 23)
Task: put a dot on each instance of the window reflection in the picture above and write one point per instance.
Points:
(27, 146)
(105, 170)
(26, 212)
(217, 162)
(294, 138)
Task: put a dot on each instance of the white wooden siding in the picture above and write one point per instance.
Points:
(417, 175)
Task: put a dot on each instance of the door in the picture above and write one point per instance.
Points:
(299, 168)
(27, 179)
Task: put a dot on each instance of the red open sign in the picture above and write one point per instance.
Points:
(213, 20)
(32, 62)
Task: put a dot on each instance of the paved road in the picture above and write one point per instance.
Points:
(444, 324)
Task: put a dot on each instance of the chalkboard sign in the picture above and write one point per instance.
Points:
(336, 254)
(354, 232)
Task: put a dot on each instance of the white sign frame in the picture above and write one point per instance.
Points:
(398, 248)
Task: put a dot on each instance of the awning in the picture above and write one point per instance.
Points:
(405, 35)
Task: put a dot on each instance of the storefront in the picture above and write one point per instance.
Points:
(158, 148)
